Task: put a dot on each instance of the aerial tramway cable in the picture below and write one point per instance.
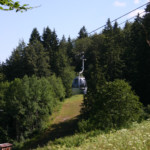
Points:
(120, 18)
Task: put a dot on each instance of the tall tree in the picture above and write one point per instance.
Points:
(70, 48)
(35, 36)
(46, 38)
(83, 33)
(55, 47)
(108, 28)
(51, 45)
(14, 66)
(2, 76)
(37, 60)
(146, 24)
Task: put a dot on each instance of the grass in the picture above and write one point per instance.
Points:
(62, 135)
(63, 122)
(70, 109)
(135, 138)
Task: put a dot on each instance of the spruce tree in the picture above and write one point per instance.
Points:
(146, 24)
(37, 60)
(15, 65)
(35, 36)
(108, 28)
(83, 33)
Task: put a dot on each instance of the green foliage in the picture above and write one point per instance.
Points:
(147, 112)
(15, 65)
(67, 77)
(3, 88)
(83, 33)
(58, 87)
(137, 137)
(30, 101)
(37, 60)
(35, 36)
(11, 5)
(115, 106)
(3, 136)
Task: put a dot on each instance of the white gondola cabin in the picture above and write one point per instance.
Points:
(79, 85)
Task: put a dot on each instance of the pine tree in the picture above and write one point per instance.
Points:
(146, 24)
(137, 61)
(82, 33)
(70, 48)
(46, 39)
(35, 36)
(55, 47)
(108, 28)
(15, 65)
(37, 60)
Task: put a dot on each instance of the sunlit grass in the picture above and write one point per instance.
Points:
(70, 109)
(135, 138)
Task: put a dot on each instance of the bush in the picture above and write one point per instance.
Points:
(67, 77)
(29, 102)
(115, 106)
(58, 87)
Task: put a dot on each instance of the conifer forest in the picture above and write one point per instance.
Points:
(38, 76)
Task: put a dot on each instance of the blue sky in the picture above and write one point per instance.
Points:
(67, 17)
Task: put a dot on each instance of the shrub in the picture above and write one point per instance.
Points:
(29, 102)
(115, 106)
(58, 87)
(67, 77)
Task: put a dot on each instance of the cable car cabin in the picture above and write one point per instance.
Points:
(79, 85)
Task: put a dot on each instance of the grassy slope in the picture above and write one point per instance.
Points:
(61, 134)
(135, 138)
(62, 123)
(70, 109)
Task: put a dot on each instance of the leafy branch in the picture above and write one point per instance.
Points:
(8, 5)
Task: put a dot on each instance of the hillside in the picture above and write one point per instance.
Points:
(63, 122)
(135, 138)
(61, 135)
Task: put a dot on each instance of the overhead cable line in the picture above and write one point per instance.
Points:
(130, 18)
(119, 17)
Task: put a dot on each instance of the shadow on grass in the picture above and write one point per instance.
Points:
(60, 130)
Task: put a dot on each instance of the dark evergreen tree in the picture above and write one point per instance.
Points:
(108, 28)
(63, 41)
(46, 38)
(54, 41)
(138, 61)
(83, 33)
(146, 24)
(15, 65)
(70, 48)
(2, 76)
(37, 60)
(51, 43)
(35, 36)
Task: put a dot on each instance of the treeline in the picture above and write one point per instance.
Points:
(118, 75)
(42, 56)
(115, 53)
(27, 104)
(35, 78)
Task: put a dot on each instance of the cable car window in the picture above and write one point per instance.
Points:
(75, 83)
